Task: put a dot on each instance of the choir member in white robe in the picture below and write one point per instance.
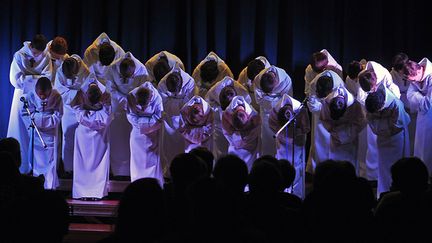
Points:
(123, 75)
(219, 97)
(403, 83)
(270, 85)
(321, 61)
(29, 64)
(344, 119)
(144, 112)
(160, 64)
(100, 54)
(389, 121)
(196, 124)
(241, 126)
(351, 80)
(46, 108)
(57, 50)
(420, 99)
(209, 71)
(287, 147)
(322, 85)
(71, 75)
(92, 105)
(369, 78)
(176, 88)
(248, 74)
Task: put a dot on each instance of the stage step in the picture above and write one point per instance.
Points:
(103, 208)
(113, 185)
(86, 233)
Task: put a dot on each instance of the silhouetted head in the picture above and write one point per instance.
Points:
(288, 173)
(58, 47)
(38, 44)
(367, 80)
(375, 101)
(143, 96)
(43, 88)
(206, 155)
(409, 175)
(399, 60)
(161, 68)
(268, 82)
(285, 113)
(335, 176)
(209, 71)
(337, 107)
(231, 172)
(12, 146)
(174, 82)
(70, 67)
(226, 95)
(106, 54)
(186, 169)
(94, 94)
(265, 177)
(354, 68)
(127, 68)
(8, 170)
(319, 62)
(324, 86)
(254, 67)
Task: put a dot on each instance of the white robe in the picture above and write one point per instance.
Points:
(248, 84)
(310, 74)
(145, 136)
(172, 140)
(320, 137)
(120, 128)
(196, 135)
(223, 69)
(391, 127)
(291, 149)
(266, 103)
(420, 99)
(47, 116)
(68, 88)
(173, 61)
(91, 56)
(220, 144)
(92, 152)
(244, 143)
(24, 77)
(344, 132)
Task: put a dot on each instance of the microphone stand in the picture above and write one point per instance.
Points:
(293, 120)
(34, 128)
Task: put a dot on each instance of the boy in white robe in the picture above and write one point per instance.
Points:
(92, 105)
(420, 97)
(160, 64)
(57, 50)
(46, 108)
(270, 86)
(176, 88)
(196, 124)
(209, 71)
(248, 74)
(288, 147)
(242, 127)
(321, 86)
(144, 112)
(123, 75)
(389, 121)
(100, 54)
(219, 97)
(71, 75)
(29, 64)
(344, 119)
(320, 62)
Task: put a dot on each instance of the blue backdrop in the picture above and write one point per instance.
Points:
(286, 32)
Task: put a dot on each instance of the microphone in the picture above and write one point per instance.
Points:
(23, 100)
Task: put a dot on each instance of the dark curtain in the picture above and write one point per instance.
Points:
(286, 32)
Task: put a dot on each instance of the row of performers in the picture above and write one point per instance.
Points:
(107, 91)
